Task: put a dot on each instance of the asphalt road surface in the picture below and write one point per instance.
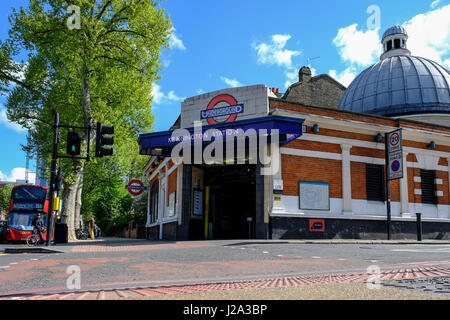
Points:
(123, 263)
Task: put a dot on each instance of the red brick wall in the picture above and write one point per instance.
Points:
(295, 169)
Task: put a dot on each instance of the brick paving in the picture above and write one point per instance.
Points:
(404, 278)
(140, 247)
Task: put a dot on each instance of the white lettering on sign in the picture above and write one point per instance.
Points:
(224, 111)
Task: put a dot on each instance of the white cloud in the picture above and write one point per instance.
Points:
(200, 91)
(429, 35)
(175, 42)
(446, 63)
(292, 77)
(160, 97)
(18, 174)
(157, 94)
(362, 48)
(345, 77)
(11, 125)
(231, 82)
(274, 52)
(173, 97)
(435, 3)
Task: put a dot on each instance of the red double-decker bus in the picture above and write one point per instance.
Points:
(26, 201)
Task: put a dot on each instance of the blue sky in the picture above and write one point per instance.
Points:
(220, 44)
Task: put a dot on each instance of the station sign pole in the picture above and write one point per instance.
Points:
(394, 167)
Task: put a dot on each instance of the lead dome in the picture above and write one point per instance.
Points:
(401, 85)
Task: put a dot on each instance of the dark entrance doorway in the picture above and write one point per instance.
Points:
(231, 201)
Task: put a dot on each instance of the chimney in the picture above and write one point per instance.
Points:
(304, 75)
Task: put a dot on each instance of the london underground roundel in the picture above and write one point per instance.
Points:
(135, 187)
(231, 110)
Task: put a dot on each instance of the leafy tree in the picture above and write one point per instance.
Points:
(5, 196)
(102, 71)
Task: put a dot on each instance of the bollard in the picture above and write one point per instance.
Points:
(249, 220)
(419, 226)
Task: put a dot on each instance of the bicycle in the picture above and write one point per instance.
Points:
(33, 239)
(81, 234)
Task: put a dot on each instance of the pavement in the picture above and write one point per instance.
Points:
(118, 268)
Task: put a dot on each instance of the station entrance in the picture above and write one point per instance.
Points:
(229, 202)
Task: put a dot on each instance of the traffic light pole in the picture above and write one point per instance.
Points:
(52, 177)
(388, 189)
(102, 151)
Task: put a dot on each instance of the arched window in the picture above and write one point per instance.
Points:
(389, 45)
(396, 43)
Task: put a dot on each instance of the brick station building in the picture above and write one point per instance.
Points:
(331, 178)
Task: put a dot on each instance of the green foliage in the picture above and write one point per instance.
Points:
(5, 196)
(102, 72)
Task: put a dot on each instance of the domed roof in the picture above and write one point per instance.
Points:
(394, 30)
(399, 85)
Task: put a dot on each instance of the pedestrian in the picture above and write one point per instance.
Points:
(91, 224)
(96, 231)
(38, 224)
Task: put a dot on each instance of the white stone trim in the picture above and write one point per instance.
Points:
(417, 179)
(438, 181)
(337, 140)
(365, 127)
(363, 208)
(311, 154)
(439, 193)
(418, 191)
(418, 166)
(404, 196)
(346, 179)
(329, 155)
(158, 169)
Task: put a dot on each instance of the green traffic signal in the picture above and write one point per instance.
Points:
(73, 143)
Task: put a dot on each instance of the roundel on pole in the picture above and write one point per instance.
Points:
(135, 187)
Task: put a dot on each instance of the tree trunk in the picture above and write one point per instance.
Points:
(69, 202)
(72, 193)
(79, 190)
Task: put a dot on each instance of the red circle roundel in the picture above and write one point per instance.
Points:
(221, 98)
(135, 182)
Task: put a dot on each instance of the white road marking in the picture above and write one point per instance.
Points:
(315, 257)
(428, 250)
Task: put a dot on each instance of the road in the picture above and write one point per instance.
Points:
(156, 269)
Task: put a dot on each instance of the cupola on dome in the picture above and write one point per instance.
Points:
(399, 84)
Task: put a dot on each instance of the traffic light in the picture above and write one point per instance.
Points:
(101, 140)
(73, 143)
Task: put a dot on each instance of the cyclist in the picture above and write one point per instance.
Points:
(38, 225)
